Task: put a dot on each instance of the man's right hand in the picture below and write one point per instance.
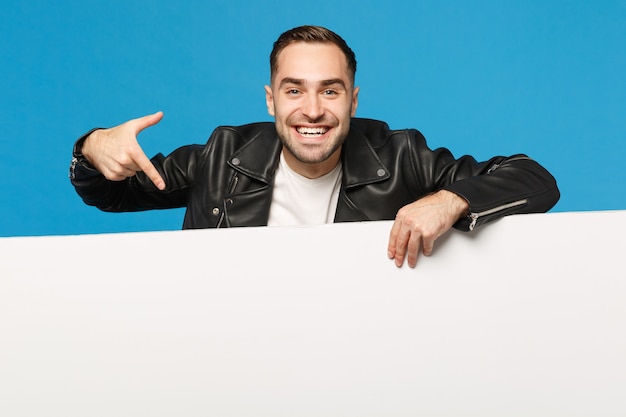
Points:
(116, 153)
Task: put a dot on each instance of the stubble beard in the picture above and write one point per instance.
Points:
(310, 153)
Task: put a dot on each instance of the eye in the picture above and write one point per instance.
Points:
(293, 91)
(329, 92)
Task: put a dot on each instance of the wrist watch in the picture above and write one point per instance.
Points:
(78, 159)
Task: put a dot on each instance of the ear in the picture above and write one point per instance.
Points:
(355, 101)
(269, 100)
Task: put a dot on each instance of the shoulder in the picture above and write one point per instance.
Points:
(249, 143)
(245, 132)
(230, 138)
(378, 132)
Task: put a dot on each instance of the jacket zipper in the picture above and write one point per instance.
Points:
(473, 217)
(233, 184)
(231, 190)
(495, 166)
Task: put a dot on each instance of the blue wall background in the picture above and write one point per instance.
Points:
(483, 77)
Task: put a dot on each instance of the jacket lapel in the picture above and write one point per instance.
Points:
(361, 166)
(259, 156)
(249, 197)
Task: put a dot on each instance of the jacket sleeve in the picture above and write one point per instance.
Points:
(494, 188)
(136, 193)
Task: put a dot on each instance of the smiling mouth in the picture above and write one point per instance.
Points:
(312, 132)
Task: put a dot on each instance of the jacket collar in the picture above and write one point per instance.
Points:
(259, 157)
(361, 164)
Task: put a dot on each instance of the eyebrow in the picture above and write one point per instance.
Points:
(299, 82)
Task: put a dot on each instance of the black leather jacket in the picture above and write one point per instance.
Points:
(228, 182)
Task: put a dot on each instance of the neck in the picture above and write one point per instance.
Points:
(312, 170)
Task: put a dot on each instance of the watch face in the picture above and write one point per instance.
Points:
(73, 167)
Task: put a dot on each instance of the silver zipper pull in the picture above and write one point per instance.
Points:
(493, 168)
(474, 218)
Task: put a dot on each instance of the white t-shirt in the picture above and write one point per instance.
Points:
(297, 200)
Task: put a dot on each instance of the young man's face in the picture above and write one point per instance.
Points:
(312, 99)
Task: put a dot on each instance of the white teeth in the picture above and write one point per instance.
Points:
(312, 131)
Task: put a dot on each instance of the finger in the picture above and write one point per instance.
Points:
(413, 249)
(401, 246)
(144, 164)
(118, 177)
(144, 122)
(393, 236)
(428, 245)
(118, 174)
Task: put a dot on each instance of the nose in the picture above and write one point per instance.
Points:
(312, 107)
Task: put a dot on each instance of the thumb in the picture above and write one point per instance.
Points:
(141, 123)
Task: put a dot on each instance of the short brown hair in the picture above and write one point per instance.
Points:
(311, 34)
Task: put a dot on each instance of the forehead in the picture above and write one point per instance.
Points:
(313, 62)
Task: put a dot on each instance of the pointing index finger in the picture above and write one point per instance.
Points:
(145, 165)
(139, 157)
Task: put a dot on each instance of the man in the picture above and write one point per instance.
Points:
(315, 164)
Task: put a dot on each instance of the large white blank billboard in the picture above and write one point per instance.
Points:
(526, 316)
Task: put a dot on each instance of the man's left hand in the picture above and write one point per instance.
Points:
(419, 224)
